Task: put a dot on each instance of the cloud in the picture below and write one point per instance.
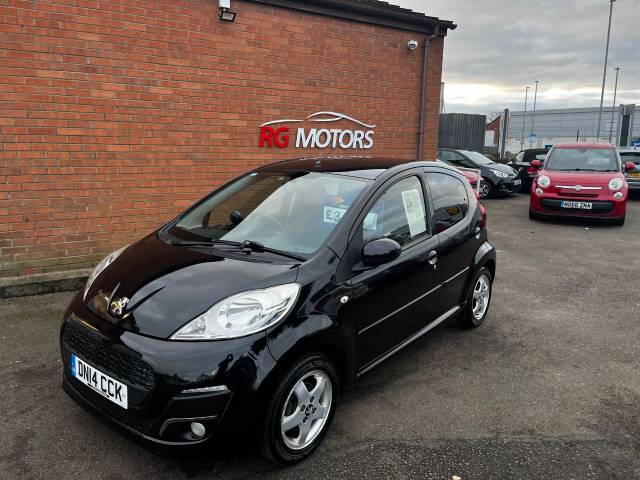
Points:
(500, 46)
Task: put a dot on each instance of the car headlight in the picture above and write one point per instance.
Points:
(544, 181)
(616, 184)
(241, 314)
(500, 174)
(104, 263)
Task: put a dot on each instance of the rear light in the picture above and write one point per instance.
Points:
(483, 212)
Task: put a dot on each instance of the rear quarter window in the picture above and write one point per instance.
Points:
(450, 201)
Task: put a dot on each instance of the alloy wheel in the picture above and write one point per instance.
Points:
(481, 297)
(306, 410)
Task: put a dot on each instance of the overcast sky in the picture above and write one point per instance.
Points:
(500, 46)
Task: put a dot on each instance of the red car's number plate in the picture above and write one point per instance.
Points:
(580, 205)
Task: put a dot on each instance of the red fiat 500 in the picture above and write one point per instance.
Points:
(580, 180)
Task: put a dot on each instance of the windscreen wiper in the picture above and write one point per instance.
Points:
(247, 246)
(254, 246)
(202, 243)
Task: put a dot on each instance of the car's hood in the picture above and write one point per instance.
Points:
(596, 179)
(167, 286)
(501, 168)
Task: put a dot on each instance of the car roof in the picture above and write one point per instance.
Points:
(534, 150)
(357, 166)
(584, 145)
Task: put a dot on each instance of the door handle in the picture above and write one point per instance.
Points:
(432, 258)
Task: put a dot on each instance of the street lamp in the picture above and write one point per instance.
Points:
(524, 117)
(613, 108)
(533, 116)
(604, 74)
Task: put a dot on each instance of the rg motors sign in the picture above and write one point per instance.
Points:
(277, 133)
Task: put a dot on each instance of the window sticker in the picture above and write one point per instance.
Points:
(414, 211)
(370, 221)
(333, 214)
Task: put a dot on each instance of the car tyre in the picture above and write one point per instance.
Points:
(619, 222)
(491, 189)
(533, 215)
(293, 401)
(485, 189)
(478, 300)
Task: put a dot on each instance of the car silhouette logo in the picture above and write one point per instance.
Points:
(117, 306)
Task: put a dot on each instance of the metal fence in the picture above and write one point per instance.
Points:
(462, 130)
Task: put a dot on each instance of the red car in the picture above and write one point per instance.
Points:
(580, 180)
(473, 178)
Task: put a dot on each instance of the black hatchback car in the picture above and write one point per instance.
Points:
(264, 300)
(500, 179)
(522, 164)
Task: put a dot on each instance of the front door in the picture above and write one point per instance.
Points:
(395, 300)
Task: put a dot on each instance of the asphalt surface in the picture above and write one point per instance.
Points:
(548, 387)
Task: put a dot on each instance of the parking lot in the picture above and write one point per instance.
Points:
(548, 387)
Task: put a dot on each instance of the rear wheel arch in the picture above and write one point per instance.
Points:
(491, 266)
(485, 257)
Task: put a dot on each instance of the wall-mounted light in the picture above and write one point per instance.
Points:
(225, 13)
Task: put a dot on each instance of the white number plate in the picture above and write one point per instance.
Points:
(99, 382)
(582, 205)
(517, 181)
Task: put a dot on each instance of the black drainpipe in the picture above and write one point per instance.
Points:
(423, 95)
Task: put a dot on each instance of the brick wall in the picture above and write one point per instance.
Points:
(115, 115)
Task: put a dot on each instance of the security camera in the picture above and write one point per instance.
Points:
(412, 44)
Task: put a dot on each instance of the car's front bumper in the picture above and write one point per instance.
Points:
(160, 376)
(633, 183)
(602, 206)
(508, 185)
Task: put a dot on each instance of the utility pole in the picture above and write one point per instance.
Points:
(533, 116)
(524, 117)
(613, 107)
(604, 74)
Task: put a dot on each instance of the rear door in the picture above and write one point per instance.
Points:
(454, 223)
(395, 300)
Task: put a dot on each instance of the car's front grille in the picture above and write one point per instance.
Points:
(110, 359)
(130, 417)
(579, 195)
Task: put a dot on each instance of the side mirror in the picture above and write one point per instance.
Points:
(380, 251)
(628, 166)
(537, 164)
(236, 217)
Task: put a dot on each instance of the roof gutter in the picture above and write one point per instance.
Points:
(405, 20)
(423, 92)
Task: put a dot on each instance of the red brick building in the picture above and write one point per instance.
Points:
(116, 115)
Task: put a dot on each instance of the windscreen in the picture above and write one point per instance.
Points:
(583, 159)
(293, 212)
(478, 158)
